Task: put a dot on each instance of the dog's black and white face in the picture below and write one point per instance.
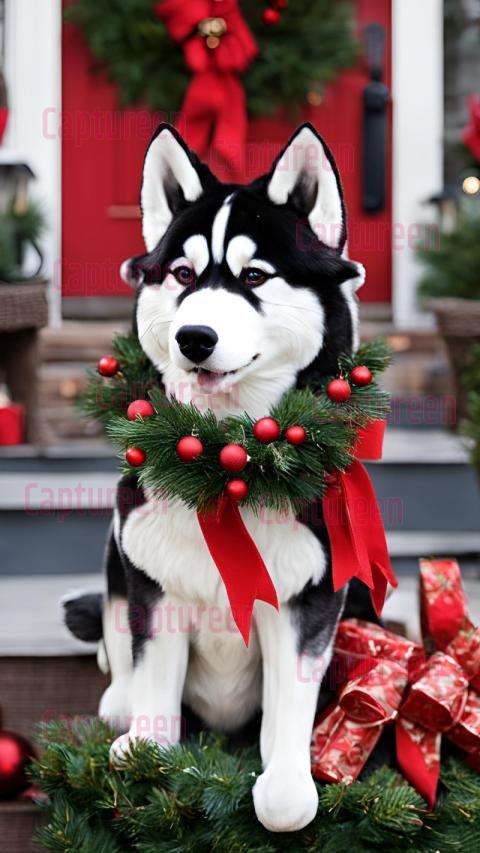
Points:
(243, 291)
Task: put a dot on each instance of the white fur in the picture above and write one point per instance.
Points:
(285, 795)
(164, 155)
(286, 336)
(219, 228)
(305, 160)
(196, 251)
(240, 252)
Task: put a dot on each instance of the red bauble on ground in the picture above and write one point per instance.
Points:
(135, 456)
(266, 430)
(361, 375)
(233, 458)
(339, 390)
(189, 448)
(295, 435)
(140, 408)
(108, 365)
(15, 754)
(271, 17)
(237, 490)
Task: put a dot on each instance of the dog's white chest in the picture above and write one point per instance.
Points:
(165, 541)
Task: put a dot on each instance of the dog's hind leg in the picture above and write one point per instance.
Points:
(295, 654)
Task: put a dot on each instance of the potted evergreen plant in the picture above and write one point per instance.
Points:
(451, 284)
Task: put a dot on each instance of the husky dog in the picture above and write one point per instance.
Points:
(244, 293)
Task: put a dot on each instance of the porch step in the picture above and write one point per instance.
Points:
(418, 377)
(33, 638)
(61, 501)
(18, 822)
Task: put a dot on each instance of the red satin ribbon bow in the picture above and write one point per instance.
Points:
(214, 109)
(353, 554)
(392, 681)
(239, 562)
(354, 523)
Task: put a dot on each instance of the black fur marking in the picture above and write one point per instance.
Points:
(143, 596)
(83, 616)
(317, 608)
(142, 592)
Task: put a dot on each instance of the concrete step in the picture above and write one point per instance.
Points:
(18, 821)
(418, 377)
(31, 627)
(55, 507)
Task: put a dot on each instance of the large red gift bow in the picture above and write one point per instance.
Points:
(393, 681)
(213, 114)
(238, 561)
(355, 527)
(445, 621)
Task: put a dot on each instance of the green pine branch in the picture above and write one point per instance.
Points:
(279, 475)
(197, 797)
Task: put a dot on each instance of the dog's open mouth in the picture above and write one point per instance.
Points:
(207, 378)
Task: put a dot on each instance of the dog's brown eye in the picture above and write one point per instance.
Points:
(253, 276)
(184, 275)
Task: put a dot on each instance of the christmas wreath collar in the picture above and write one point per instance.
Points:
(307, 448)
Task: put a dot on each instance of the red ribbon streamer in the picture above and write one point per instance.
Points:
(214, 110)
(239, 562)
(354, 554)
(354, 523)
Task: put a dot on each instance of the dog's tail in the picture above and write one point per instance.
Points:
(82, 613)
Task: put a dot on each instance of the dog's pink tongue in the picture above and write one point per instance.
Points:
(206, 379)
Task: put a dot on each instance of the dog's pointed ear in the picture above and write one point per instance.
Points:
(305, 175)
(172, 176)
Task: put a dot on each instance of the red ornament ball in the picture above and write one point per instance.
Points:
(189, 448)
(281, 4)
(266, 430)
(140, 407)
(233, 458)
(361, 375)
(237, 490)
(271, 17)
(295, 435)
(108, 365)
(339, 390)
(135, 456)
(15, 754)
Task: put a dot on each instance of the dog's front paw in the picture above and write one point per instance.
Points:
(121, 749)
(285, 799)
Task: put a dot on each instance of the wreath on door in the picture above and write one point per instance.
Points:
(286, 52)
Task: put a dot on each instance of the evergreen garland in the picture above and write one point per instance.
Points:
(279, 475)
(197, 797)
(311, 43)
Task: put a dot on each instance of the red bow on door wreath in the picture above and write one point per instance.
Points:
(218, 47)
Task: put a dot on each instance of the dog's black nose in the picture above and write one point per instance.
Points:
(196, 342)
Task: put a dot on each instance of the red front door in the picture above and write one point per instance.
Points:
(103, 149)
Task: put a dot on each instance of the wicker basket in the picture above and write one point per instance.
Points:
(458, 322)
(23, 306)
